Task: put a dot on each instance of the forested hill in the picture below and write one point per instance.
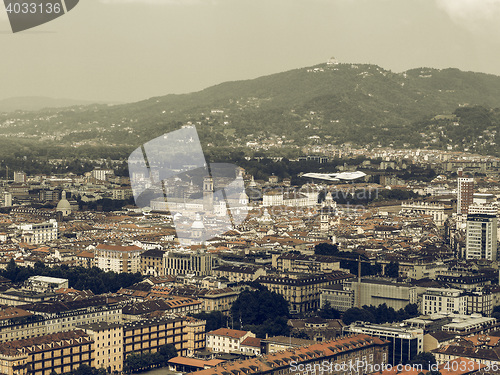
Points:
(338, 103)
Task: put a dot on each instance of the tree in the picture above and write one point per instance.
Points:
(214, 319)
(326, 249)
(328, 312)
(256, 307)
(392, 269)
(167, 352)
(425, 359)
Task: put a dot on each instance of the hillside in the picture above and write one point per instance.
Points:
(324, 104)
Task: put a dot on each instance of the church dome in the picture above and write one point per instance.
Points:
(64, 206)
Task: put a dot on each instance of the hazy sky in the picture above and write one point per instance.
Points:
(126, 50)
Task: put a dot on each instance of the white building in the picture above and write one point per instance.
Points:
(46, 284)
(118, 258)
(481, 242)
(227, 340)
(442, 300)
(38, 233)
(102, 174)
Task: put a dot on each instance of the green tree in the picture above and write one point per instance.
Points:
(328, 312)
(392, 269)
(425, 359)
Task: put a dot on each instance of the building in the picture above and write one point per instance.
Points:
(38, 233)
(150, 335)
(102, 174)
(53, 317)
(405, 342)
(465, 194)
(236, 274)
(481, 241)
(19, 177)
(435, 210)
(444, 300)
(197, 263)
(118, 258)
(302, 292)
(226, 340)
(279, 343)
(43, 284)
(107, 345)
(57, 353)
(480, 302)
(340, 356)
(378, 291)
(305, 263)
(196, 338)
(152, 262)
(338, 297)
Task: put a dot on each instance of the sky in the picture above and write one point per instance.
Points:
(130, 50)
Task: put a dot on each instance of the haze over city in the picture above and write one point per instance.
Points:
(128, 50)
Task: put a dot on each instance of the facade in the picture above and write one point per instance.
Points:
(302, 292)
(107, 345)
(376, 292)
(118, 258)
(405, 342)
(196, 338)
(56, 353)
(152, 262)
(226, 340)
(444, 300)
(38, 233)
(481, 242)
(199, 264)
(150, 335)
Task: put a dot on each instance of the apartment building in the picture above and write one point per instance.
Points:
(196, 338)
(118, 258)
(38, 233)
(55, 353)
(152, 262)
(54, 317)
(149, 335)
(107, 344)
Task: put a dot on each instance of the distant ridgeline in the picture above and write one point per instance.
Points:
(325, 104)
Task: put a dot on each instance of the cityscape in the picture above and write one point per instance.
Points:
(233, 187)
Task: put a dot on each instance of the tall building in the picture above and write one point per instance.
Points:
(465, 193)
(481, 241)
